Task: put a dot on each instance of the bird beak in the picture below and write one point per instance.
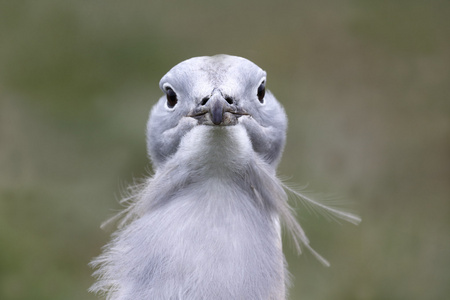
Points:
(217, 108)
(217, 111)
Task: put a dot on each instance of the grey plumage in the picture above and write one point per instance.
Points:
(206, 225)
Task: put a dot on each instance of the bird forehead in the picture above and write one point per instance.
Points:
(208, 72)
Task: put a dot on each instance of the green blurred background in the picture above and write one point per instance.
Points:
(365, 85)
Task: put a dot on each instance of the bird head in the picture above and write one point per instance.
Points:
(217, 91)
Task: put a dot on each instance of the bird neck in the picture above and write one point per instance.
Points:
(216, 151)
(206, 219)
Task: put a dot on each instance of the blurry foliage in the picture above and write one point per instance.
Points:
(365, 85)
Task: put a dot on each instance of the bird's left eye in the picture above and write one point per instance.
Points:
(172, 99)
(261, 91)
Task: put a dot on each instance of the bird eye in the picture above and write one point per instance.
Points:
(171, 97)
(261, 91)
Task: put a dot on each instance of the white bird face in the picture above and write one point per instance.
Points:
(216, 91)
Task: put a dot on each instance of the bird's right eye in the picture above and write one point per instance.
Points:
(171, 97)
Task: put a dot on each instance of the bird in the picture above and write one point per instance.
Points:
(207, 224)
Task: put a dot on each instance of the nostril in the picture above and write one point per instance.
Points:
(229, 100)
(204, 100)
